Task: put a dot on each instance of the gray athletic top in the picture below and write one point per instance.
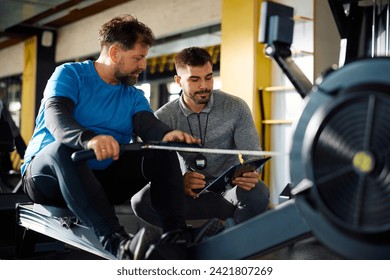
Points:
(225, 123)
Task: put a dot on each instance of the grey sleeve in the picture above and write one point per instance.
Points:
(62, 125)
(161, 114)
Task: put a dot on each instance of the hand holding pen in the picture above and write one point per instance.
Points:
(193, 182)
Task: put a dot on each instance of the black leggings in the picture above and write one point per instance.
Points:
(52, 178)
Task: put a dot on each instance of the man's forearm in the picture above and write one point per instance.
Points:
(62, 125)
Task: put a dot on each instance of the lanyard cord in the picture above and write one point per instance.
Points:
(203, 140)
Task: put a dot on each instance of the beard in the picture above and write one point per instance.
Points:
(203, 99)
(127, 79)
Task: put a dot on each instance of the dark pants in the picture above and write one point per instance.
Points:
(234, 203)
(52, 178)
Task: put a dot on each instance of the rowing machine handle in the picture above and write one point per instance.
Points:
(90, 154)
(137, 146)
(83, 155)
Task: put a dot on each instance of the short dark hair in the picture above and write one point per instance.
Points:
(125, 30)
(193, 56)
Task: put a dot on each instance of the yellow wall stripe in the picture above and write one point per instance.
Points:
(29, 88)
(244, 68)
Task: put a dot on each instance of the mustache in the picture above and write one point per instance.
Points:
(203, 91)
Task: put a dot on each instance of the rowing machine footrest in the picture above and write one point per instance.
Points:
(64, 215)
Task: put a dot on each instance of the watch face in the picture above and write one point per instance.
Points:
(200, 161)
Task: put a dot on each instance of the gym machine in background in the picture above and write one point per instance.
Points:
(340, 154)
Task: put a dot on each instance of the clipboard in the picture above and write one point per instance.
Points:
(234, 171)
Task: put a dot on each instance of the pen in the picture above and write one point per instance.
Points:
(191, 169)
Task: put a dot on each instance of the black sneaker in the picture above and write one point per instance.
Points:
(192, 236)
(125, 246)
(136, 247)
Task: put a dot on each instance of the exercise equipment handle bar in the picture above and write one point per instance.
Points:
(173, 146)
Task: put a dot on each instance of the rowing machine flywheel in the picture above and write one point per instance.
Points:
(340, 159)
